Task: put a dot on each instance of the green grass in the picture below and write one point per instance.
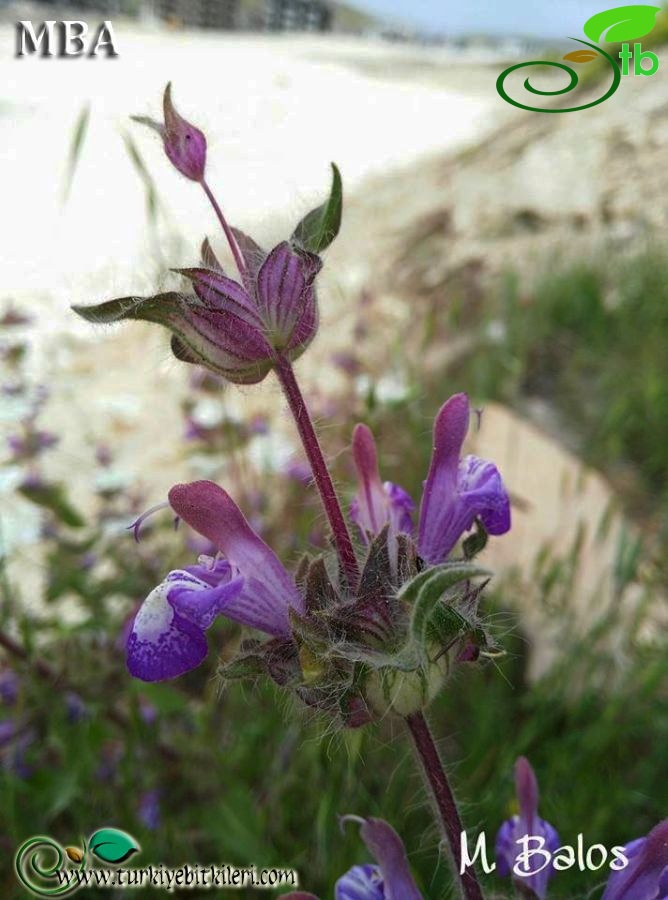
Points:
(590, 340)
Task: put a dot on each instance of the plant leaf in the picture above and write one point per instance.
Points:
(317, 230)
(54, 498)
(581, 56)
(76, 146)
(150, 309)
(430, 596)
(457, 569)
(475, 543)
(112, 846)
(624, 23)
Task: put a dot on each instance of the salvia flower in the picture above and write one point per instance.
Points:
(511, 840)
(458, 490)
(247, 583)
(184, 144)
(646, 876)
(389, 878)
(385, 647)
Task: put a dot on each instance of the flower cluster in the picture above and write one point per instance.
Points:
(358, 653)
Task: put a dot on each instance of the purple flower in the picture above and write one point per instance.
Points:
(75, 707)
(456, 492)
(376, 504)
(299, 470)
(390, 879)
(149, 810)
(184, 144)
(233, 329)
(509, 840)
(15, 739)
(32, 444)
(7, 731)
(646, 876)
(10, 684)
(249, 586)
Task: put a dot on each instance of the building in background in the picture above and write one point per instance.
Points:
(299, 15)
(221, 14)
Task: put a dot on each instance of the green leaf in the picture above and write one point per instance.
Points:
(151, 193)
(624, 23)
(149, 309)
(430, 596)
(53, 498)
(317, 230)
(76, 146)
(112, 846)
(476, 542)
(411, 590)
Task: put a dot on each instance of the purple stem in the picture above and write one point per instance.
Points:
(321, 476)
(441, 793)
(234, 247)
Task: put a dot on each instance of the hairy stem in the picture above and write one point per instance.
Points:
(231, 240)
(321, 476)
(442, 796)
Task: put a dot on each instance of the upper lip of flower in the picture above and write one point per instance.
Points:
(528, 822)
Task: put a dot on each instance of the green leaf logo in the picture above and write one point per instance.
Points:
(624, 23)
(112, 846)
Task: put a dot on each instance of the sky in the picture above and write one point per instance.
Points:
(531, 17)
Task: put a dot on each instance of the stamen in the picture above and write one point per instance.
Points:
(343, 820)
(135, 528)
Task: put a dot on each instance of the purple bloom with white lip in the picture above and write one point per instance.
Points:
(646, 876)
(389, 879)
(249, 586)
(456, 492)
(526, 823)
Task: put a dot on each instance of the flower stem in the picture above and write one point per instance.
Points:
(231, 240)
(321, 476)
(441, 793)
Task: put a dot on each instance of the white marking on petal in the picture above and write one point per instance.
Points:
(155, 615)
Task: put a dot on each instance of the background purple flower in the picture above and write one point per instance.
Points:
(646, 876)
(529, 823)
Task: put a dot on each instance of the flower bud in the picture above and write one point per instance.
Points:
(390, 690)
(184, 144)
